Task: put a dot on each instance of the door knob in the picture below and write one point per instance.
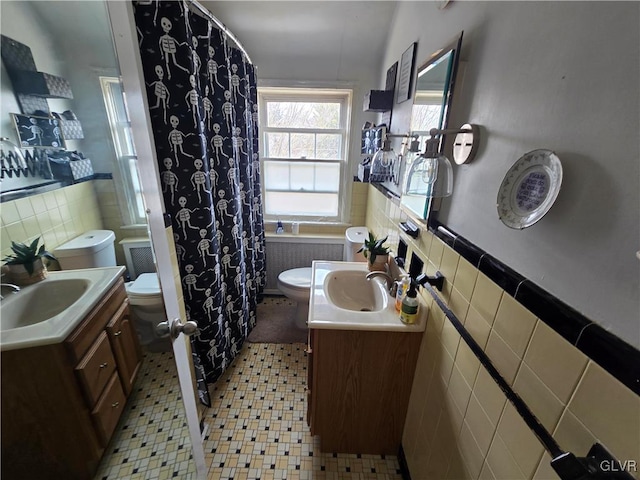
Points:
(175, 328)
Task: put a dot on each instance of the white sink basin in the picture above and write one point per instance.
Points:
(350, 289)
(341, 298)
(47, 312)
(41, 302)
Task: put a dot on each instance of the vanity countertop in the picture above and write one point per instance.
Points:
(46, 313)
(323, 314)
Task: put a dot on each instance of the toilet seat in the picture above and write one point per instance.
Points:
(296, 279)
(145, 290)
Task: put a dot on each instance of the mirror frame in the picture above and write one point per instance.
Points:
(453, 46)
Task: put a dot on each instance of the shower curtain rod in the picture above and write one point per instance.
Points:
(221, 25)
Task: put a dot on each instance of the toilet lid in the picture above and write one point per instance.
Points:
(296, 277)
(146, 285)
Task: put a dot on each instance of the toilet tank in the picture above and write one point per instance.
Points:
(354, 237)
(90, 250)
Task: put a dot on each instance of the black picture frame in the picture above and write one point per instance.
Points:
(371, 140)
(405, 81)
(390, 86)
(38, 132)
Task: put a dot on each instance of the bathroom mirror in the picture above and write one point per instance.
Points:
(431, 104)
(51, 32)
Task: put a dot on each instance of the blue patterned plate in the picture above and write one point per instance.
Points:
(529, 189)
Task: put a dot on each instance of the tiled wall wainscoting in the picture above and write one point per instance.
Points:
(63, 214)
(459, 423)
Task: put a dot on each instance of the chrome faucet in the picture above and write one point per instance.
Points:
(15, 288)
(386, 276)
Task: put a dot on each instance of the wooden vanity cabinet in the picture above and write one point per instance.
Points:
(62, 402)
(359, 383)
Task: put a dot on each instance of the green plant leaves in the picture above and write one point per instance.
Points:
(27, 254)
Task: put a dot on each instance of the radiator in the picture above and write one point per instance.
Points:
(138, 255)
(283, 255)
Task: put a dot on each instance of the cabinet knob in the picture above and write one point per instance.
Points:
(115, 404)
(117, 334)
(103, 365)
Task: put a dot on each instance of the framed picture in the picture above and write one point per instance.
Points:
(390, 86)
(38, 132)
(406, 73)
(371, 140)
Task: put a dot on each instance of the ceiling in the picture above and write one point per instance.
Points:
(335, 34)
(318, 40)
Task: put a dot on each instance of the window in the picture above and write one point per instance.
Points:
(305, 140)
(114, 100)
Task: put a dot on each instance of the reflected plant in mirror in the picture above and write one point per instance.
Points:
(431, 104)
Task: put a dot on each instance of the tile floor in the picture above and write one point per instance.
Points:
(256, 428)
(151, 439)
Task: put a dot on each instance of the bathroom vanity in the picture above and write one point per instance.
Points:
(359, 386)
(61, 401)
(360, 362)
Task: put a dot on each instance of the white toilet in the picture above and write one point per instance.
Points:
(296, 283)
(95, 249)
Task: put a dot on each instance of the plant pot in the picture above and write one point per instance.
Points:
(19, 275)
(380, 264)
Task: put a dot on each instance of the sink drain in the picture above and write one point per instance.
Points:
(365, 309)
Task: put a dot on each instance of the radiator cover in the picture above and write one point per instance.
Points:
(283, 256)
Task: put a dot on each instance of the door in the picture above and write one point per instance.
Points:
(126, 44)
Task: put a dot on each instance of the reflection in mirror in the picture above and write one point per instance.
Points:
(73, 41)
(431, 105)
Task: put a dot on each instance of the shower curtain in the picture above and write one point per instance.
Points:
(203, 106)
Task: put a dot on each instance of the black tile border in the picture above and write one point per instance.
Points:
(609, 351)
(48, 186)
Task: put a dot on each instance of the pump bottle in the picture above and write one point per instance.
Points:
(409, 309)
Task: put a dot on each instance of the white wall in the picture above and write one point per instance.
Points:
(556, 75)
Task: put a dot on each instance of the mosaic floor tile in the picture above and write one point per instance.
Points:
(256, 427)
(151, 440)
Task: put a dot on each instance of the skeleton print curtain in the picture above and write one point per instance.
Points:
(203, 105)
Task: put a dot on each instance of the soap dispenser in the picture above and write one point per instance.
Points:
(409, 309)
(403, 286)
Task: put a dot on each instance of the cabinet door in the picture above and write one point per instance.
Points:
(126, 348)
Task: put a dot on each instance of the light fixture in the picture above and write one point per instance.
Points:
(431, 174)
(385, 159)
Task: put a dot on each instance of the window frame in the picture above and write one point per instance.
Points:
(129, 190)
(344, 97)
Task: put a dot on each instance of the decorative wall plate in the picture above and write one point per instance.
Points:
(529, 189)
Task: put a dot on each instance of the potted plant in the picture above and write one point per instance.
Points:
(376, 253)
(25, 266)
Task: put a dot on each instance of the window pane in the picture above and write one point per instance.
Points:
(303, 115)
(276, 175)
(302, 176)
(302, 145)
(328, 146)
(425, 117)
(327, 177)
(278, 145)
(301, 204)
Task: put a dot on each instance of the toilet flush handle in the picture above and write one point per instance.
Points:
(175, 328)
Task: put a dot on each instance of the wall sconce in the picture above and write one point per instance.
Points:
(385, 158)
(431, 174)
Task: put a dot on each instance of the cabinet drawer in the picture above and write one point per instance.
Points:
(83, 336)
(108, 410)
(95, 368)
